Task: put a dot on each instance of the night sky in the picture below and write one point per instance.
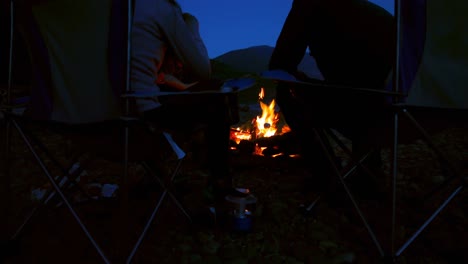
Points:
(229, 25)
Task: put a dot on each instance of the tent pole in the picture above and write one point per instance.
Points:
(396, 70)
(129, 38)
(396, 100)
(10, 59)
(124, 199)
(6, 180)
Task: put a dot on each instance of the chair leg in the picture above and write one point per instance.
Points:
(444, 162)
(446, 165)
(171, 195)
(65, 182)
(155, 210)
(5, 187)
(61, 194)
(346, 171)
(428, 221)
(321, 138)
(349, 153)
(395, 253)
(69, 176)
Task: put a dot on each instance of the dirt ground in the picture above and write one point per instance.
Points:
(280, 233)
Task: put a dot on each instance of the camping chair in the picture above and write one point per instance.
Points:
(70, 49)
(80, 122)
(424, 98)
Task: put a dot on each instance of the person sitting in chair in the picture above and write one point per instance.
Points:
(352, 42)
(171, 75)
(163, 40)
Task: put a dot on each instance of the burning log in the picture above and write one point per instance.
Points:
(284, 144)
(278, 144)
(274, 141)
(263, 136)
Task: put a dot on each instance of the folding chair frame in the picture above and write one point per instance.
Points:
(398, 111)
(61, 183)
(12, 122)
(324, 135)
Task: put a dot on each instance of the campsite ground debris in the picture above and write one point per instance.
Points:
(280, 235)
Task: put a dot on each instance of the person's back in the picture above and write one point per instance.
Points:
(352, 41)
(353, 44)
(162, 35)
(159, 25)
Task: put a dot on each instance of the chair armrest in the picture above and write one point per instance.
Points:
(284, 77)
(278, 75)
(229, 86)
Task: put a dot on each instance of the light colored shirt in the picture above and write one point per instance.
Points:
(157, 26)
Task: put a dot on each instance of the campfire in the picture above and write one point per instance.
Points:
(254, 134)
(265, 126)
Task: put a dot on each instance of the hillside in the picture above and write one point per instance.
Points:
(255, 60)
(222, 70)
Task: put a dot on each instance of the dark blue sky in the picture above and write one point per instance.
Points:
(236, 24)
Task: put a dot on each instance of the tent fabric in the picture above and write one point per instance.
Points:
(442, 78)
(40, 101)
(76, 35)
(117, 52)
(412, 40)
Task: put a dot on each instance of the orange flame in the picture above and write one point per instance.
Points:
(261, 95)
(285, 129)
(266, 124)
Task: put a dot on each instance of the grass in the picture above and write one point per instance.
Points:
(281, 234)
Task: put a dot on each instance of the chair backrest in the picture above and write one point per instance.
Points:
(78, 54)
(441, 80)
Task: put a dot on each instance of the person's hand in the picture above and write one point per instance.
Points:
(172, 81)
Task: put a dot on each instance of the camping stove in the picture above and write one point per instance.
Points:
(243, 203)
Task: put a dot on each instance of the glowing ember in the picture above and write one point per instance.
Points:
(237, 135)
(285, 129)
(259, 150)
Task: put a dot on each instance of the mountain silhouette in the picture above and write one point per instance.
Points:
(255, 60)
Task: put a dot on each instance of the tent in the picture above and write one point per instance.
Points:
(440, 80)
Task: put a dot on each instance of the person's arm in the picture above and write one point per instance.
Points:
(173, 82)
(188, 45)
(292, 42)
